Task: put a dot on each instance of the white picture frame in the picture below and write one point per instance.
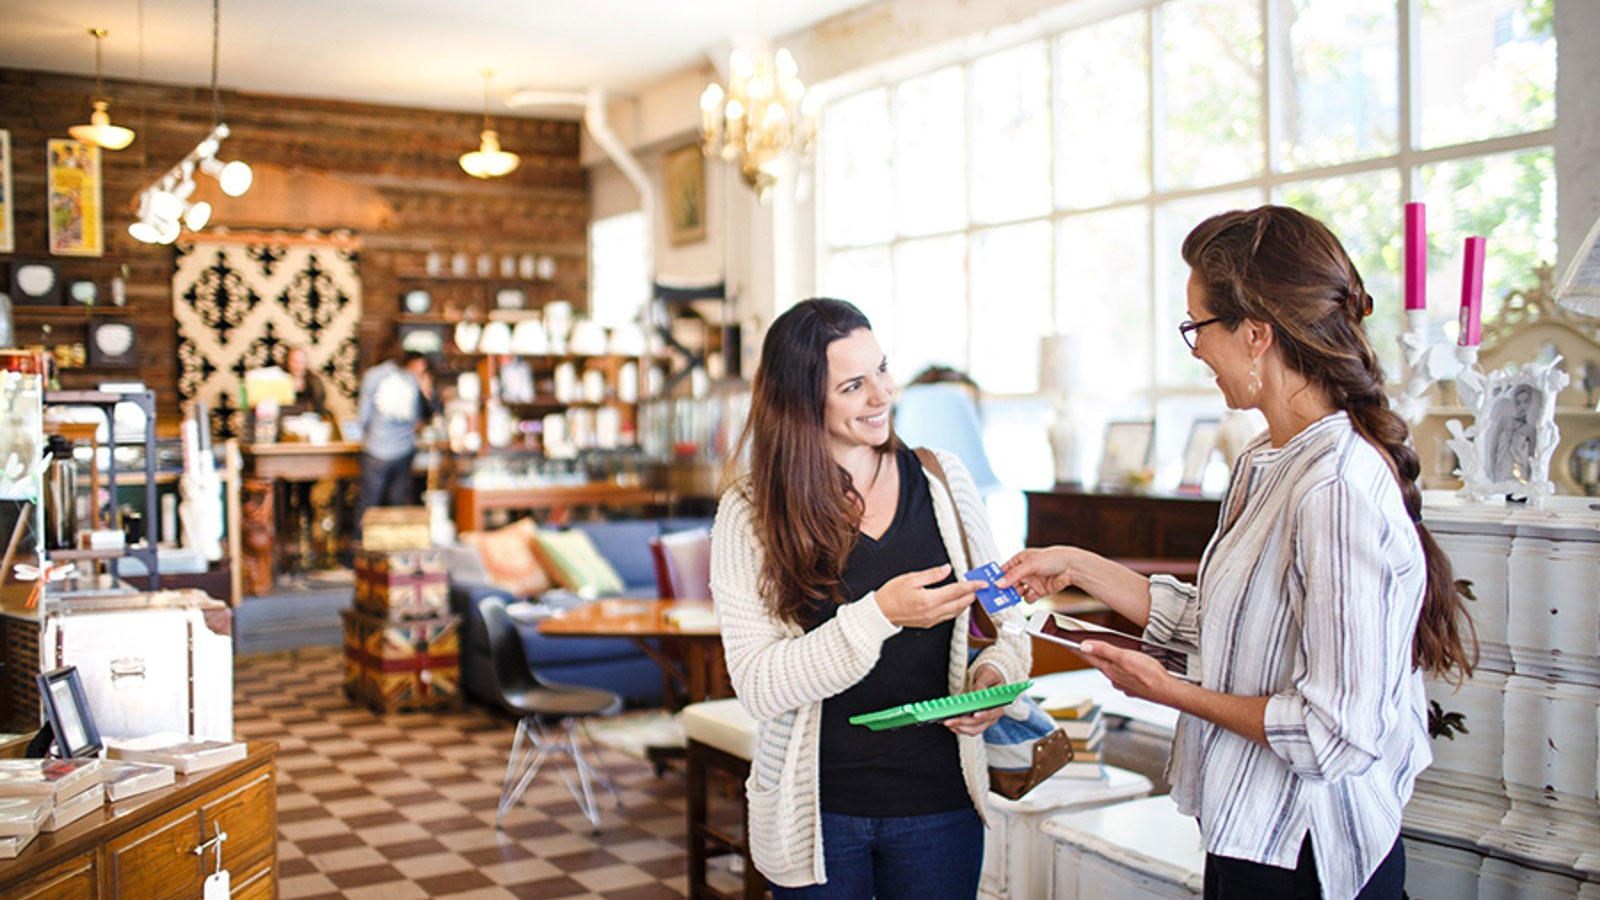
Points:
(1197, 453)
(1126, 451)
(1506, 450)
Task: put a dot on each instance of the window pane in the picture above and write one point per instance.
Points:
(1103, 298)
(1488, 69)
(1364, 212)
(619, 284)
(1102, 104)
(1010, 135)
(930, 301)
(1210, 90)
(1338, 92)
(930, 153)
(857, 169)
(862, 277)
(1010, 306)
(1510, 198)
(1174, 364)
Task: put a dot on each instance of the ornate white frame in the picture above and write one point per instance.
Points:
(1482, 395)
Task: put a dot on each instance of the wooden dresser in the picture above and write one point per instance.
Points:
(143, 848)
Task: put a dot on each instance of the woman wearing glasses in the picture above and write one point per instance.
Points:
(1320, 600)
(835, 567)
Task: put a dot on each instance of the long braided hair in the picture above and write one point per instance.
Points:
(1280, 266)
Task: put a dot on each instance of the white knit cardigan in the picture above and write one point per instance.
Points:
(782, 674)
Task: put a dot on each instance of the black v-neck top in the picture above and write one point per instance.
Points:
(910, 771)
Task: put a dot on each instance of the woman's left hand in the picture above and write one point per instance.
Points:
(1131, 672)
(976, 723)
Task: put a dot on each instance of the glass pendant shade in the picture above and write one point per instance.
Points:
(100, 132)
(489, 161)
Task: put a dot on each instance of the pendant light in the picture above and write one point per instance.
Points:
(489, 161)
(100, 132)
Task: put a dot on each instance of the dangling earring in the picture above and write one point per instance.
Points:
(1255, 382)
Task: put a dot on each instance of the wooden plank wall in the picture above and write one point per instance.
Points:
(389, 173)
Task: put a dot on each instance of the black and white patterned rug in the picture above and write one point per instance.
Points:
(241, 302)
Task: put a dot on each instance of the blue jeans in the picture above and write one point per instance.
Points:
(384, 482)
(935, 857)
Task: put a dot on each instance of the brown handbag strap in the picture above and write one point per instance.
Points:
(931, 463)
(983, 626)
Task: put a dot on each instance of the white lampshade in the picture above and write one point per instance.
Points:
(197, 215)
(489, 161)
(100, 132)
(145, 232)
(233, 177)
(496, 338)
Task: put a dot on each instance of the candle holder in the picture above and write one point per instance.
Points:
(1426, 363)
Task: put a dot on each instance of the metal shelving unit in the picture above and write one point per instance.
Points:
(107, 402)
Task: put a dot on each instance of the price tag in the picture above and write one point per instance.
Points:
(216, 887)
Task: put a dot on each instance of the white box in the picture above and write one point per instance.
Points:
(1016, 854)
(150, 663)
(1130, 851)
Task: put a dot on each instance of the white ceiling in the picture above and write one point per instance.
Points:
(426, 53)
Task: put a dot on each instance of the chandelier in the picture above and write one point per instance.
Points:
(763, 122)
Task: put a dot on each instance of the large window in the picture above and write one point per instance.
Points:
(1045, 187)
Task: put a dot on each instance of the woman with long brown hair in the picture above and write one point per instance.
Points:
(834, 568)
(1321, 600)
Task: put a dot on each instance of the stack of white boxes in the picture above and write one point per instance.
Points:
(1511, 804)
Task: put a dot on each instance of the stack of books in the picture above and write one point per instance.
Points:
(125, 779)
(43, 795)
(1086, 728)
(183, 753)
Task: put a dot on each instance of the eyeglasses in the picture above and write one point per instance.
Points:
(1188, 327)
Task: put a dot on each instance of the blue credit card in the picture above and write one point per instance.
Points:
(993, 599)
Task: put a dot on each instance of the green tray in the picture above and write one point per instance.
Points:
(925, 711)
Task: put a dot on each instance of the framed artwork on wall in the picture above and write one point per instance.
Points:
(683, 176)
(72, 205)
(113, 343)
(8, 240)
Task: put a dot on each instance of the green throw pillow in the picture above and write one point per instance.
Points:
(572, 560)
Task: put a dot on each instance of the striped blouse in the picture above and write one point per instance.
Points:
(1309, 597)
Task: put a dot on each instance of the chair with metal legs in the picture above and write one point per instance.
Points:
(539, 705)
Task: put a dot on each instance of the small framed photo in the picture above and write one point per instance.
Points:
(113, 343)
(1125, 458)
(1507, 448)
(82, 292)
(1197, 453)
(66, 708)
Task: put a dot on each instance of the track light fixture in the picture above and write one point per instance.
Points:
(165, 206)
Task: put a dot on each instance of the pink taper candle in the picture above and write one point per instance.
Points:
(1416, 256)
(1472, 292)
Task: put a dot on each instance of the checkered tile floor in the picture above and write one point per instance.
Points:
(402, 806)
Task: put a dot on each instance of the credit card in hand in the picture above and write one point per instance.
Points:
(993, 599)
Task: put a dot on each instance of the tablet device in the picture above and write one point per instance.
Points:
(1071, 632)
(923, 712)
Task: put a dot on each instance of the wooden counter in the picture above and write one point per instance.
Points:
(472, 503)
(142, 848)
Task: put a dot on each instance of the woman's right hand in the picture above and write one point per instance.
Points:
(909, 602)
(1041, 571)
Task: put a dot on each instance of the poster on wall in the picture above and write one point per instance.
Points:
(73, 205)
(7, 228)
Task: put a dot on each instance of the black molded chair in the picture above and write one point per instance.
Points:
(537, 702)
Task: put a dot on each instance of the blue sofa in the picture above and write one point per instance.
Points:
(616, 665)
